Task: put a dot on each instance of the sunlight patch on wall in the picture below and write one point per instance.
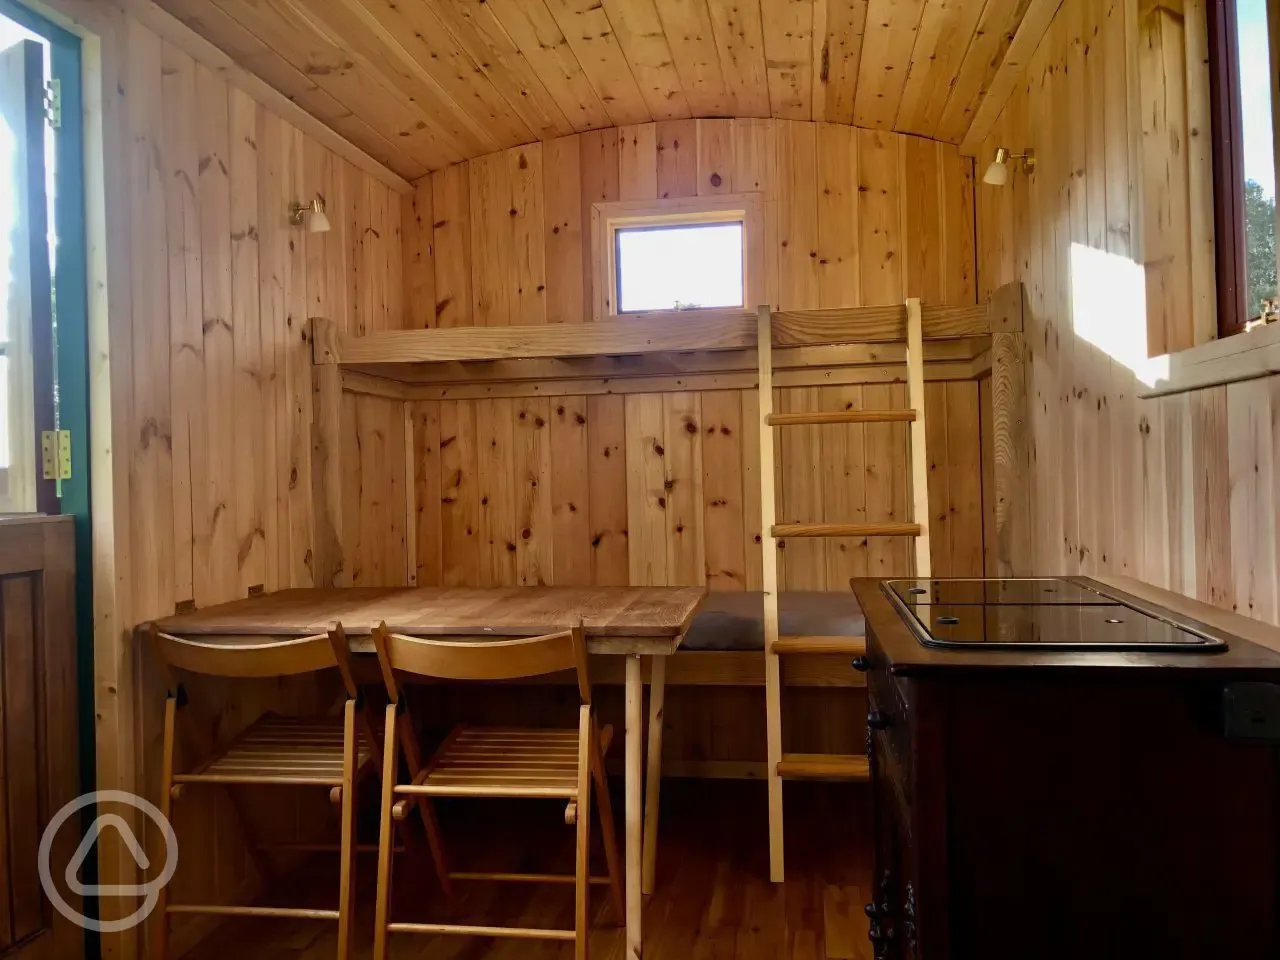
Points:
(1109, 310)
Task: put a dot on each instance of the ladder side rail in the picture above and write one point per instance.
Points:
(769, 570)
(919, 452)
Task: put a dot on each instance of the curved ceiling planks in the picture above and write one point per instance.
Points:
(419, 84)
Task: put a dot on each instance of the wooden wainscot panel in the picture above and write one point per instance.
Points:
(38, 732)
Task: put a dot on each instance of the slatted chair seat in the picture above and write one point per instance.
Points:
(505, 762)
(283, 750)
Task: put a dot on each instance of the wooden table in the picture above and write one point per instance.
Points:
(634, 622)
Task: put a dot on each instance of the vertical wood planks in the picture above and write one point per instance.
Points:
(417, 224)
(683, 485)
(961, 408)
(274, 181)
(451, 206)
(940, 479)
(715, 157)
(637, 162)
(491, 251)
(722, 489)
(497, 486)
(296, 360)
(797, 167)
(646, 490)
(226, 412)
(562, 208)
(532, 469)
(150, 452)
(525, 217)
(1178, 490)
(657, 504)
(598, 161)
(427, 493)
(844, 498)
(219, 575)
(752, 532)
(186, 339)
(570, 492)
(1162, 66)
(879, 216)
(246, 327)
(459, 503)
(608, 473)
(374, 490)
(677, 158)
(839, 277)
(1251, 485)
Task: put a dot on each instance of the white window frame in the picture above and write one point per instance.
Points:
(607, 218)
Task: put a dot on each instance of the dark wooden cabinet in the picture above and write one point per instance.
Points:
(1068, 805)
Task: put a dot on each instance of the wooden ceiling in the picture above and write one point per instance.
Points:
(419, 84)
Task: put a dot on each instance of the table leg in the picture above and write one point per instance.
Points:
(653, 772)
(635, 814)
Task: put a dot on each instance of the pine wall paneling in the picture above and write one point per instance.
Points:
(1178, 491)
(201, 387)
(1177, 174)
(668, 489)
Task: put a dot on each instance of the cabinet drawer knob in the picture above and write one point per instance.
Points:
(861, 664)
(877, 720)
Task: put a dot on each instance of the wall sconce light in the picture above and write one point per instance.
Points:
(312, 214)
(998, 173)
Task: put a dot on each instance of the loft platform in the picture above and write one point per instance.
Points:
(664, 351)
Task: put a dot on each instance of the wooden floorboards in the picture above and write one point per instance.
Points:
(713, 899)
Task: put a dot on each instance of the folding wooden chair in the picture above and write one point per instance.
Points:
(497, 762)
(275, 750)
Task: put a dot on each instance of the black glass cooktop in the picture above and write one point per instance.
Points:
(1038, 613)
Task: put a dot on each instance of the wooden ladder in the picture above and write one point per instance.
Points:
(781, 765)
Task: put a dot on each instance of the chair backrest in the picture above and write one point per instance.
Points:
(482, 659)
(270, 658)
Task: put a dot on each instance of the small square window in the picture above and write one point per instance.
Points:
(679, 266)
(677, 253)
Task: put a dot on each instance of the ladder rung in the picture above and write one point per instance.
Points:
(824, 766)
(840, 416)
(854, 646)
(887, 529)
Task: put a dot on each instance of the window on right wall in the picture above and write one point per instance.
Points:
(1242, 94)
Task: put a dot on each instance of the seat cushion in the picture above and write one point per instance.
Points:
(735, 621)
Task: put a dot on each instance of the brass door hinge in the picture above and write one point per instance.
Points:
(55, 454)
